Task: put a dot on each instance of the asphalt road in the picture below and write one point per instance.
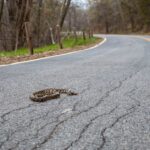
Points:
(111, 112)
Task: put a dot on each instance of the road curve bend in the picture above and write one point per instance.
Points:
(111, 112)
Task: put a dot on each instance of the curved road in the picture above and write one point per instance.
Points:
(111, 112)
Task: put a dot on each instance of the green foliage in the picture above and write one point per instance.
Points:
(67, 43)
(145, 10)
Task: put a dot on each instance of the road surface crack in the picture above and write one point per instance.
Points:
(12, 111)
(131, 94)
(129, 111)
(87, 126)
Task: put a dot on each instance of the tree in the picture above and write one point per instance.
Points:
(23, 15)
(29, 37)
(144, 6)
(1, 11)
(64, 10)
(40, 3)
(120, 15)
(102, 11)
(63, 13)
(43, 20)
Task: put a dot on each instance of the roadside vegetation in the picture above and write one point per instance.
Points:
(67, 43)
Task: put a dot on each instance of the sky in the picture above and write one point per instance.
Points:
(84, 1)
(81, 2)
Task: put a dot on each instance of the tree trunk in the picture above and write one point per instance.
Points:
(64, 11)
(132, 23)
(23, 15)
(70, 21)
(1, 11)
(17, 40)
(7, 34)
(75, 33)
(92, 33)
(21, 8)
(52, 36)
(39, 20)
(51, 33)
(84, 36)
(58, 35)
(29, 38)
(107, 27)
(75, 17)
(89, 33)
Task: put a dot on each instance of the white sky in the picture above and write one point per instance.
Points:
(81, 2)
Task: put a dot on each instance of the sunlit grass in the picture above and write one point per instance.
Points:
(67, 43)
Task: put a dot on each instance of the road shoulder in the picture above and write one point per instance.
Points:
(25, 59)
